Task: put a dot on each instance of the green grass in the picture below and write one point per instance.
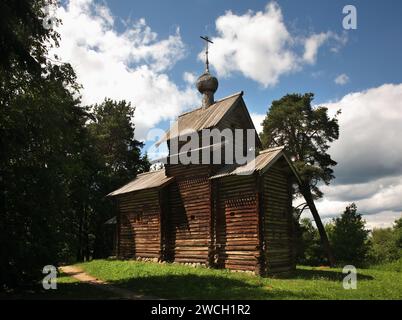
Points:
(174, 281)
(395, 266)
(67, 288)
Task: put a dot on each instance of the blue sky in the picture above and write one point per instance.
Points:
(149, 53)
(370, 58)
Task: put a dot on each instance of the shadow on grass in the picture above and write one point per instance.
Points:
(314, 274)
(192, 286)
(64, 291)
(184, 287)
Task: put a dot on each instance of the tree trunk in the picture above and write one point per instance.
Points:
(86, 247)
(79, 249)
(306, 192)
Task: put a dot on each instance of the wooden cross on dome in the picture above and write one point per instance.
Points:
(206, 52)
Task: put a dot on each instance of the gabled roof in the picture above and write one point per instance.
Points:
(202, 118)
(147, 180)
(260, 164)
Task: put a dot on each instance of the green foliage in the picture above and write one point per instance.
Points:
(41, 129)
(383, 246)
(394, 266)
(306, 132)
(23, 35)
(309, 249)
(398, 234)
(55, 168)
(352, 243)
(41, 134)
(349, 238)
(118, 160)
(113, 134)
(398, 223)
(386, 244)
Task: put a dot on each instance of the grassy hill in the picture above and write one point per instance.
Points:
(174, 281)
(183, 282)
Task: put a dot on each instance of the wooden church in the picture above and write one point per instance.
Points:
(220, 215)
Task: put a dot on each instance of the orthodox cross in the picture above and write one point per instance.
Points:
(206, 51)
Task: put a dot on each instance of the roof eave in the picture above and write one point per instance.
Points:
(281, 154)
(170, 180)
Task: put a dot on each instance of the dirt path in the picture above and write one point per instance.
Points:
(82, 276)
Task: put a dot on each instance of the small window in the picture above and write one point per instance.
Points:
(232, 214)
(192, 217)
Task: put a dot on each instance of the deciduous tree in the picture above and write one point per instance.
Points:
(349, 237)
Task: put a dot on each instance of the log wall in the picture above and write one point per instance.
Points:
(237, 236)
(277, 222)
(139, 225)
(234, 222)
(188, 230)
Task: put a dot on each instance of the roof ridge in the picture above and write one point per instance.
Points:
(148, 172)
(239, 93)
(272, 149)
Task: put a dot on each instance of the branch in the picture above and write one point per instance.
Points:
(305, 205)
(301, 205)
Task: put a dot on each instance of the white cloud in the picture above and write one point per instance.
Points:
(383, 195)
(342, 79)
(128, 65)
(369, 155)
(312, 44)
(369, 145)
(257, 120)
(383, 219)
(259, 45)
(189, 78)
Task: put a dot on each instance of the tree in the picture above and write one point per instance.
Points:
(113, 130)
(55, 168)
(398, 234)
(41, 132)
(349, 238)
(306, 133)
(41, 128)
(24, 41)
(309, 248)
(386, 243)
(119, 159)
(383, 246)
(398, 223)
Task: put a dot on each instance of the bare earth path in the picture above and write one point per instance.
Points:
(82, 276)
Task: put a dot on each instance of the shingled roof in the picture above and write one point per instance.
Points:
(202, 118)
(261, 163)
(147, 180)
